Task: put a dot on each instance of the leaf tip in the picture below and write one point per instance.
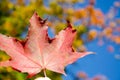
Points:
(36, 17)
(30, 75)
(68, 23)
(70, 26)
(87, 53)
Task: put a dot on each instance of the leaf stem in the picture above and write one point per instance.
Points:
(44, 70)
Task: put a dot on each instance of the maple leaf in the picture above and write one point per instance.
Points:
(39, 52)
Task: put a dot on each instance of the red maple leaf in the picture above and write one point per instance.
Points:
(39, 52)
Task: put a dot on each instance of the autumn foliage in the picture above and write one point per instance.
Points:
(39, 52)
(88, 21)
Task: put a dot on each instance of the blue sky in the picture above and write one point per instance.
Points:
(103, 62)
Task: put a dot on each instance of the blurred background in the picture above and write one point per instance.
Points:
(98, 30)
